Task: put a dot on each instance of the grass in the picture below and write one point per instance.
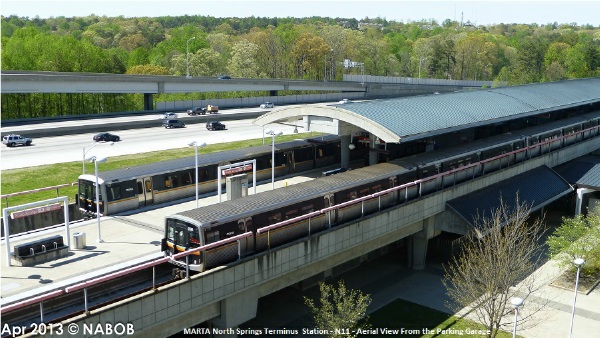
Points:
(23, 179)
(402, 314)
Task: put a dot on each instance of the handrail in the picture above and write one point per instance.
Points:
(39, 189)
(95, 281)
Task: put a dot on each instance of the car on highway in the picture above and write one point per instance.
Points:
(267, 105)
(107, 137)
(16, 140)
(196, 111)
(169, 115)
(344, 101)
(224, 77)
(173, 124)
(215, 125)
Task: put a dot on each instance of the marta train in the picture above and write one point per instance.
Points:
(209, 224)
(135, 187)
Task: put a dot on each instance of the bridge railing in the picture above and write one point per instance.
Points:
(152, 264)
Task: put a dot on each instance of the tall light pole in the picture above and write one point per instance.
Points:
(187, 56)
(197, 144)
(273, 134)
(421, 63)
(90, 146)
(97, 160)
(578, 263)
(516, 303)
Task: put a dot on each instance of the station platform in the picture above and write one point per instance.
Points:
(128, 240)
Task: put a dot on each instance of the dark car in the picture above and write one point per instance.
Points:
(224, 77)
(215, 125)
(106, 137)
(173, 124)
(196, 111)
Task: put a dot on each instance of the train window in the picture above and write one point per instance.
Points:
(377, 188)
(180, 237)
(86, 189)
(308, 208)
(352, 195)
(364, 192)
(275, 218)
(212, 236)
(170, 230)
(148, 186)
(115, 193)
(194, 237)
(168, 182)
(186, 178)
(291, 213)
(321, 153)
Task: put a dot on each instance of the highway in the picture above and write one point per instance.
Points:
(60, 149)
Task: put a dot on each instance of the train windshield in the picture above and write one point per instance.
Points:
(87, 190)
(182, 234)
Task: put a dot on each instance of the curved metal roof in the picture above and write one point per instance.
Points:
(408, 118)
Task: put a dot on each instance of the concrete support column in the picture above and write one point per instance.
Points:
(148, 104)
(373, 155)
(417, 245)
(345, 147)
(579, 200)
(236, 310)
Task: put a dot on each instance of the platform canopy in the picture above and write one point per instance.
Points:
(537, 188)
(584, 172)
(409, 118)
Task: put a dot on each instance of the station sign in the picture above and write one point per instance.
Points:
(236, 170)
(35, 211)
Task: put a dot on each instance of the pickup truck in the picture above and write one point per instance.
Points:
(212, 109)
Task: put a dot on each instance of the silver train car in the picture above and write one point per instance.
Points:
(135, 187)
(206, 225)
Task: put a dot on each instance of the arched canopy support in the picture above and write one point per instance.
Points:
(327, 119)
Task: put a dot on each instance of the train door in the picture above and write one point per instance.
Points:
(246, 244)
(331, 215)
(290, 162)
(145, 191)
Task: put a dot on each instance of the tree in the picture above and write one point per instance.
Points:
(243, 60)
(494, 261)
(578, 237)
(340, 309)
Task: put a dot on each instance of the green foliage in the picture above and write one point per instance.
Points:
(339, 308)
(578, 237)
(298, 48)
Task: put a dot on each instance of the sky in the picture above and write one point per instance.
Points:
(482, 12)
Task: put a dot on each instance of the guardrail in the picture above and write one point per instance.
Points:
(417, 183)
(26, 192)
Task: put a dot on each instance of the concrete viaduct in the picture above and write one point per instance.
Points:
(228, 296)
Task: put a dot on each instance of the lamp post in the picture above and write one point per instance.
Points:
(97, 160)
(197, 144)
(578, 263)
(90, 146)
(273, 134)
(421, 63)
(516, 303)
(187, 56)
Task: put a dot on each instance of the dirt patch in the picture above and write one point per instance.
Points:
(587, 282)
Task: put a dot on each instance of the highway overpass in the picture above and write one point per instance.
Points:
(23, 82)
